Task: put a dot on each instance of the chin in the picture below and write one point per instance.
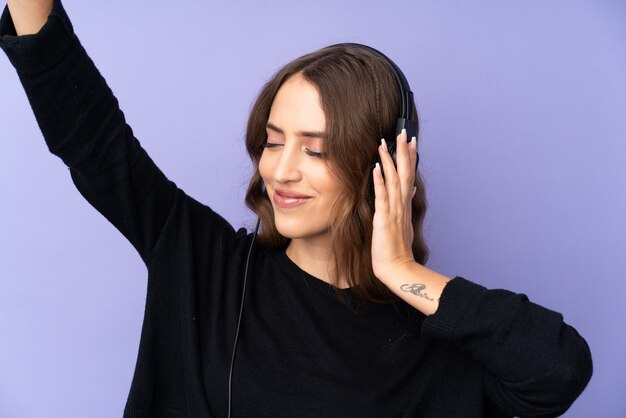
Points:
(294, 229)
(289, 230)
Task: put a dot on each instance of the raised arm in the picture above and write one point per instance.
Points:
(82, 123)
(29, 16)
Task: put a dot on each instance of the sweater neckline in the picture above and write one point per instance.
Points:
(308, 279)
(324, 288)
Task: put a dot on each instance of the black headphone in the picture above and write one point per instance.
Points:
(406, 98)
(404, 122)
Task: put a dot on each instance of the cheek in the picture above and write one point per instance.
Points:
(336, 189)
(329, 185)
(327, 179)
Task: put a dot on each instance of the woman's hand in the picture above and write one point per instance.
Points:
(392, 236)
(29, 16)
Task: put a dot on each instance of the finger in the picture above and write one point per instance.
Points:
(404, 166)
(413, 157)
(381, 205)
(392, 183)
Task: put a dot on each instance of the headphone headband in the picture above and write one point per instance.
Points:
(406, 98)
(406, 95)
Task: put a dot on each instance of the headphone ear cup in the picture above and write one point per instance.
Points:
(391, 146)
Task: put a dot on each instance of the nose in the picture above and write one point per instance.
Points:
(287, 166)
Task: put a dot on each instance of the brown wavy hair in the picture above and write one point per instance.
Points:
(361, 102)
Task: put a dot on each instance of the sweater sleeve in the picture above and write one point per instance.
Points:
(82, 124)
(535, 364)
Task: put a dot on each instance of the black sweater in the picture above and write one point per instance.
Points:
(302, 352)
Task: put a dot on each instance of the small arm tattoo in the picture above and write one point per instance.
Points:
(416, 289)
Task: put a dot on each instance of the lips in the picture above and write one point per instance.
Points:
(288, 199)
(291, 195)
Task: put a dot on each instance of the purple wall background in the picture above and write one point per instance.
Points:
(523, 150)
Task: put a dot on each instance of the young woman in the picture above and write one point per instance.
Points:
(341, 317)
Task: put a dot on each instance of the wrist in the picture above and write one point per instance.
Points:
(29, 16)
(417, 285)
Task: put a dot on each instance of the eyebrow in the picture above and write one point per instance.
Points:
(307, 134)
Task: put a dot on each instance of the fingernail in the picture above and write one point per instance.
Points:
(414, 190)
(404, 132)
(384, 144)
(414, 142)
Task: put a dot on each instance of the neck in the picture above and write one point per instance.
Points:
(314, 257)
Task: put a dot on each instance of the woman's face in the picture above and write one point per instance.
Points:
(298, 181)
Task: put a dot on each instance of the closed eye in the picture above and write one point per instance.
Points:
(313, 153)
(307, 151)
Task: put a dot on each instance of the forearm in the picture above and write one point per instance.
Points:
(418, 286)
(29, 16)
(534, 363)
